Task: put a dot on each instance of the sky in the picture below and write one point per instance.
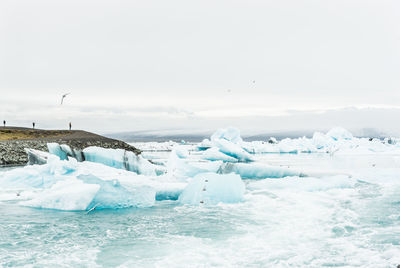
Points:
(193, 66)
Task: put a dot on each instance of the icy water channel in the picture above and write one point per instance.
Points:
(326, 220)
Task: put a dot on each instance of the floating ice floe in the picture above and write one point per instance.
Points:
(211, 188)
(257, 171)
(72, 185)
(229, 142)
(184, 168)
(339, 133)
(214, 154)
(225, 145)
(70, 194)
(336, 141)
(117, 158)
(36, 157)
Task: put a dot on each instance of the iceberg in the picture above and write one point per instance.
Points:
(119, 158)
(336, 141)
(211, 189)
(112, 195)
(70, 194)
(230, 134)
(181, 152)
(182, 168)
(257, 171)
(72, 185)
(339, 133)
(204, 145)
(233, 150)
(36, 157)
(116, 158)
(214, 154)
(55, 148)
(229, 142)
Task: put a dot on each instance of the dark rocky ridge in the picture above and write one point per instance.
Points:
(12, 151)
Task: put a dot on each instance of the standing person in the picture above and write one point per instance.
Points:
(33, 125)
(70, 125)
(4, 123)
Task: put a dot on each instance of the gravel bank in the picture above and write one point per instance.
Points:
(12, 151)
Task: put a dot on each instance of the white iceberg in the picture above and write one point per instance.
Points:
(339, 133)
(70, 194)
(73, 185)
(121, 159)
(214, 154)
(182, 169)
(55, 148)
(229, 142)
(211, 188)
(257, 171)
(116, 158)
(36, 157)
(112, 194)
(204, 145)
(230, 134)
(232, 150)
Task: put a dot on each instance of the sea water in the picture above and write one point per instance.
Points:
(347, 214)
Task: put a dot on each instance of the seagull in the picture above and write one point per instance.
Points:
(63, 96)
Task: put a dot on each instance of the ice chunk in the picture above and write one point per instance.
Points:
(74, 153)
(233, 150)
(204, 145)
(36, 157)
(181, 152)
(257, 171)
(321, 141)
(119, 158)
(229, 142)
(211, 188)
(63, 167)
(214, 154)
(112, 195)
(230, 134)
(181, 168)
(116, 158)
(55, 148)
(70, 194)
(66, 149)
(339, 133)
(168, 195)
(138, 164)
(38, 176)
(109, 157)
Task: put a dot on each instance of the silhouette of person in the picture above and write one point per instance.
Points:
(33, 125)
(70, 125)
(4, 123)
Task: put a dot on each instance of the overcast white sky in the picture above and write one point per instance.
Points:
(190, 65)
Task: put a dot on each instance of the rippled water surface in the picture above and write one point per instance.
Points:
(328, 220)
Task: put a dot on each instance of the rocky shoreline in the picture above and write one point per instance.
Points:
(12, 152)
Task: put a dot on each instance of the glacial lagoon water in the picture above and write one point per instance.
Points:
(327, 220)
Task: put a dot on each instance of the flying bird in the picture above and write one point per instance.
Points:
(63, 96)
